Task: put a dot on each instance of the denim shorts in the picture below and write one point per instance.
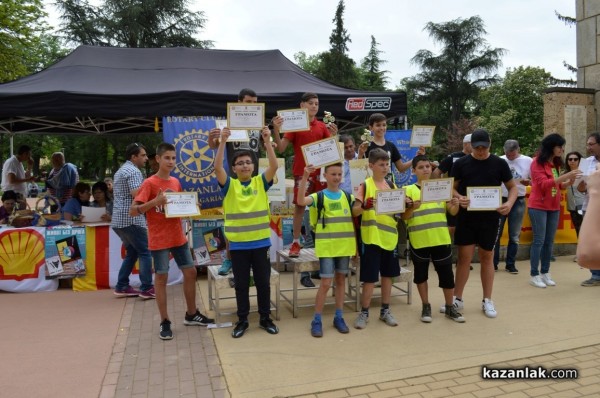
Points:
(331, 264)
(181, 255)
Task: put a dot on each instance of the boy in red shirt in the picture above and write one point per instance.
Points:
(165, 236)
(318, 131)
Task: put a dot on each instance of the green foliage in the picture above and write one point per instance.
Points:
(514, 108)
(371, 75)
(23, 39)
(308, 63)
(451, 80)
(133, 23)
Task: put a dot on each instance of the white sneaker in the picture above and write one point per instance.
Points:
(547, 279)
(537, 281)
(487, 306)
(459, 305)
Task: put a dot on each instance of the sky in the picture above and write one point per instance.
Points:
(528, 29)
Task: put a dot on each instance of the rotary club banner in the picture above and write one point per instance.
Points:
(194, 167)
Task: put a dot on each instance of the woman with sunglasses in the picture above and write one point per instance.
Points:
(544, 205)
(574, 197)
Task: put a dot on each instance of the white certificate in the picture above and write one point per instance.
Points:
(294, 120)
(92, 214)
(359, 172)
(181, 204)
(236, 135)
(390, 201)
(437, 190)
(422, 136)
(484, 198)
(277, 191)
(245, 116)
(322, 153)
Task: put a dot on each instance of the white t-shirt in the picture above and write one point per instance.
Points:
(14, 166)
(592, 162)
(520, 168)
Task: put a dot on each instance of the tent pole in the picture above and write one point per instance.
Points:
(12, 144)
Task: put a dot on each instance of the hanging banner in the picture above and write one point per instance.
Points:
(195, 160)
(401, 138)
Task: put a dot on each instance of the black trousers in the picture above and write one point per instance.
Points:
(242, 262)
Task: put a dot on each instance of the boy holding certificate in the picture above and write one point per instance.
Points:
(165, 238)
(246, 208)
(335, 241)
(380, 237)
(318, 131)
(430, 240)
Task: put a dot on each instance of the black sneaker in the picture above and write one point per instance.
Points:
(426, 313)
(239, 329)
(306, 281)
(452, 313)
(197, 319)
(512, 270)
(165, 330)
(269, 326)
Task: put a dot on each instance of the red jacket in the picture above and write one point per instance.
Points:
(545, 192)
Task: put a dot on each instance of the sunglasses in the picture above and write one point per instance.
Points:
(573, 159)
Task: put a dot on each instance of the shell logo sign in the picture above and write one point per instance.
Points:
(21, 254)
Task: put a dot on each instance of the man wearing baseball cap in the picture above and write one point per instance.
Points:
(479, 228)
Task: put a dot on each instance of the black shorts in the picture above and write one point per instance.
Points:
(441, 256)
(472, 231)
(451, 219)
(374, 261)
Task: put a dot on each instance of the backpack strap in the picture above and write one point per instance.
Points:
(320, 206)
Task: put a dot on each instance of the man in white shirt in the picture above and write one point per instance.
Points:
(593, 148)
(14, 176)
(519, 167)
(349, 154)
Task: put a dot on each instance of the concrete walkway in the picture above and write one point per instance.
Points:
(93, 345)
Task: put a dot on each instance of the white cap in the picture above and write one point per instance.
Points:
(467, 138)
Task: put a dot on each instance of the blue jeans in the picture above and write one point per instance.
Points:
(181, 255)
(135, 240)
(515, 221)
(544, 224)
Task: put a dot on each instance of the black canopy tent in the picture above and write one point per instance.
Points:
(108, 90)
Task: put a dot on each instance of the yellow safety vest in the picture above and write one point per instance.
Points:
(428, 226)
(337, 238)
(246, 211)
(380, 230)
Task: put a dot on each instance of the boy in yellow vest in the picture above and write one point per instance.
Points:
(335, 241)
(379, 235)
(246, 209)
(430, 240)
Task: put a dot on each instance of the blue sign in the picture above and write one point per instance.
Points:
(401, 138)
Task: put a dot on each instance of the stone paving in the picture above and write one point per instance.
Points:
(142, 365)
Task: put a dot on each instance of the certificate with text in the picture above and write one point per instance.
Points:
(484, 198)
(236, 135)
(245, 116)
(322, 153)
(277, 191)
(437, 190)
(294, 120)
(390, 201)
(422, 136)
(181, 204)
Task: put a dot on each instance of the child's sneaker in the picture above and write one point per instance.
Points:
(387, 317)
(361, 321)
(148, 294)
(197, 319)
(127, 292)
(453, 314)
(459, 305)
(547, 279)
(225, 268)
(340, 325)
(294, 250)
(426, 313)
(165, 330)
(316, 328)
(268, 325)
(487, 306)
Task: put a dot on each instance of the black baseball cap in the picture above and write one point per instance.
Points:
(480, 137)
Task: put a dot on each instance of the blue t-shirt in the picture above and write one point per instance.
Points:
(253, 244)
(72, 206)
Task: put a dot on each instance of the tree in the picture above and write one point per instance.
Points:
(335, 65)
(514, 108)
(132, 23)
(308, 63)
(22, 34)
(451, 81)
(371, 76)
